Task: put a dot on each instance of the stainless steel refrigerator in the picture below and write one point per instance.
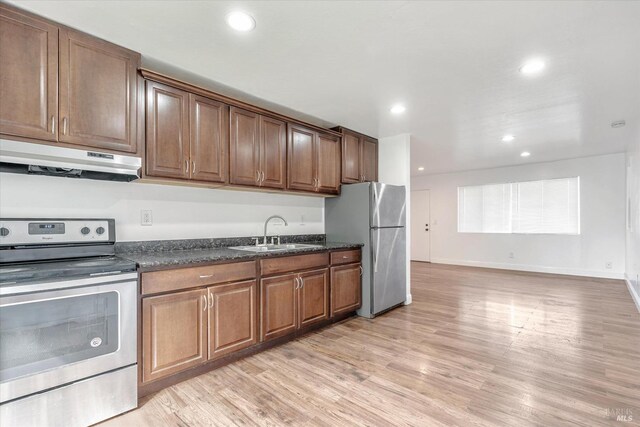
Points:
(374, 214)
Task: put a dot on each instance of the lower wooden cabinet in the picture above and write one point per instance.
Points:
(346, 288)
(293, 301)
(232, 318)
(174, 336)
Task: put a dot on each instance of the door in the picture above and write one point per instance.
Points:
(28, 76)
(244, 147)
(279, 304)
(346, 288)
(208, 139)
(232, 317)
(301, 159)
(369, 161)
(389, 268)
(388, 204)
(167, 131)
(273, 152)
(314, 297)
(420, 225)
(98, 87)
(174, 333)
(350, 158)
(54, 337)
(328, 163)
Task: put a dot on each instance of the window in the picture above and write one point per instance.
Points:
(535, 207)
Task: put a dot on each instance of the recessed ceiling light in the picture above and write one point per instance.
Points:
(241, 21)
(508, 138)
(421, 168)
(533, 66)
(398, 109)
(525, 154)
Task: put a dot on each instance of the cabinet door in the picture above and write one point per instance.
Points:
(167, 131)
(208, 139)
(328, 161)
(232, 317)
(273, 152)
(301, 159)
(98, 88)
(314, 297)
(346, 288)
(244, 147)
(369, 160)
(28, 76)
(174, 334)
(279, 306)
(350, 158)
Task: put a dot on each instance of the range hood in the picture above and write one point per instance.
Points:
(40, 159)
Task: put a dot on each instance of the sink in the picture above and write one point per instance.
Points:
(274, 248)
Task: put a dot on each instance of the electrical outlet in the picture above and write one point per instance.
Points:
(146, 218)
(608, 265)
(511, 255)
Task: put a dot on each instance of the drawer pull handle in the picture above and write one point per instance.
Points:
(344, 257)
(204, 303)
(206, 276)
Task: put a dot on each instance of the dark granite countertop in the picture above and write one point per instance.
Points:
(153, 259)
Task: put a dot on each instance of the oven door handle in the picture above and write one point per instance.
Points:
(15, 289)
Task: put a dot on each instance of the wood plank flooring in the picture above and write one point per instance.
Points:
(477, 347)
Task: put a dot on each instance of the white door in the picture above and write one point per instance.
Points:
(420, 225)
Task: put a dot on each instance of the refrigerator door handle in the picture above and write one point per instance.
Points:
(375, 246)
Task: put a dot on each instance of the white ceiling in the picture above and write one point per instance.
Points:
(454, 65)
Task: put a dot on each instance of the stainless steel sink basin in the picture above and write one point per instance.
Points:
(274, 248)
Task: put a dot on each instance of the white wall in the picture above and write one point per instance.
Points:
(602, 195)
(178, 212)
(633, 226)
(394, 167)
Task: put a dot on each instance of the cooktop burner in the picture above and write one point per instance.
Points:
(63, 269)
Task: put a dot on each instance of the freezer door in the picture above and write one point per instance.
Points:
(388, 268)
(388, 203)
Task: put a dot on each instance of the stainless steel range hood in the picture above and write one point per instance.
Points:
(40, 159)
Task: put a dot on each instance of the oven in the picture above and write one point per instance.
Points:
(56, 333)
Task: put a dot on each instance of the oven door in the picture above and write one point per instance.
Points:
(49, 338)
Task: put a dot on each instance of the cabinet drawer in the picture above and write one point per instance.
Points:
(293, 263)
(183, 278)
(346, 257)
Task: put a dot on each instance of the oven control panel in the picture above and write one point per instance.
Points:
(17, 232)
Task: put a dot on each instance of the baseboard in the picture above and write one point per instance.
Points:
(532, 268)
(634, 295)
(409, 300)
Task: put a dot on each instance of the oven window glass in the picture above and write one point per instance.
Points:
(46, 334)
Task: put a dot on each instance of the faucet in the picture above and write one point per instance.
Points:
(266, 223)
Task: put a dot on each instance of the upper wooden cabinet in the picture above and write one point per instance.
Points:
(186, 135)
(359, 157)
(61, 85)
(208, 139)
(28, 76)
(98, 87)
(257, 148)
(313, 160)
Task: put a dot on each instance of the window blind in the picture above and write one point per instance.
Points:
(534, 207)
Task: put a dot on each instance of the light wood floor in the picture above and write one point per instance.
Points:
(476, 348)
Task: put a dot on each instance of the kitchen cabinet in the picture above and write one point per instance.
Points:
(186, 135)
(174, 333)
(63, 86)
(167, 148)
(279, 305)
(257, 149)
(98, 87)
(232, 317)
(28, 76)
(313, 160)
(346, 288)
(359, 157)
(314, 297)
(208, 139)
